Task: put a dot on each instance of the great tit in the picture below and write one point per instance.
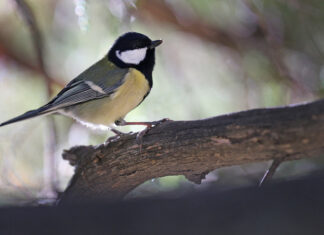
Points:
(104, 93)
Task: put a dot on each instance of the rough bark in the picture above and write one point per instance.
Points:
(194, 148)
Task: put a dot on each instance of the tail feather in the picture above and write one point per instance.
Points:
(27, 115)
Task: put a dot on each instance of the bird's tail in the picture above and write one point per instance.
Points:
(30, 114)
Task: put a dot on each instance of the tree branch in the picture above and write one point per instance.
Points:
(194, 148)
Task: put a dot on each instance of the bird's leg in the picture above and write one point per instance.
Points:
(149, 126)
(122, 122)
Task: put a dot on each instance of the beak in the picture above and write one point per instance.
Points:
(155, 43)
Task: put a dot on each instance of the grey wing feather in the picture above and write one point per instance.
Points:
(81, 93)
(105, 78)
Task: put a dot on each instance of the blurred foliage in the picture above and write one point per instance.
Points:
(217, 57)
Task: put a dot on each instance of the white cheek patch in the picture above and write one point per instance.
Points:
(132, 56)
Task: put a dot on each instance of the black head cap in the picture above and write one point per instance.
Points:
(131, 40)
(134, 50)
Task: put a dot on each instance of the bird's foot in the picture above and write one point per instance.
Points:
(141, 134)
(116, 137)
(155, 123)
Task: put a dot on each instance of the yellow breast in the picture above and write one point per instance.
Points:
(107, 110)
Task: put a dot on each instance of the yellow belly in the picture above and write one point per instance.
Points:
(107, 110)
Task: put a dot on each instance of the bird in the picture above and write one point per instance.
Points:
(104, 93)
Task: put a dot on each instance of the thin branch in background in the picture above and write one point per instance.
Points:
(50, 177)
(296, 5)
(270, 172)
(29, 18)
(9, 55)
(274, 49)
(160, 11)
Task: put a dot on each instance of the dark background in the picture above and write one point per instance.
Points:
(294, 207)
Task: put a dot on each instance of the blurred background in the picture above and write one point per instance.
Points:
(218, 56)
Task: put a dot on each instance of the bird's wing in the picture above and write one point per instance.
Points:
(99, 81)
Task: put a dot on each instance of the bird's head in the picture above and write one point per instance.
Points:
(134, 50)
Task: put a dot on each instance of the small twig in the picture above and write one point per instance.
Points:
(160, 11)
(49, 156)
(274, 49)
(9, 55)
(29, 18)
(270, 172)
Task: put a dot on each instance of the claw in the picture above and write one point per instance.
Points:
(155, 123)
(116, 137)
(112, 139)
